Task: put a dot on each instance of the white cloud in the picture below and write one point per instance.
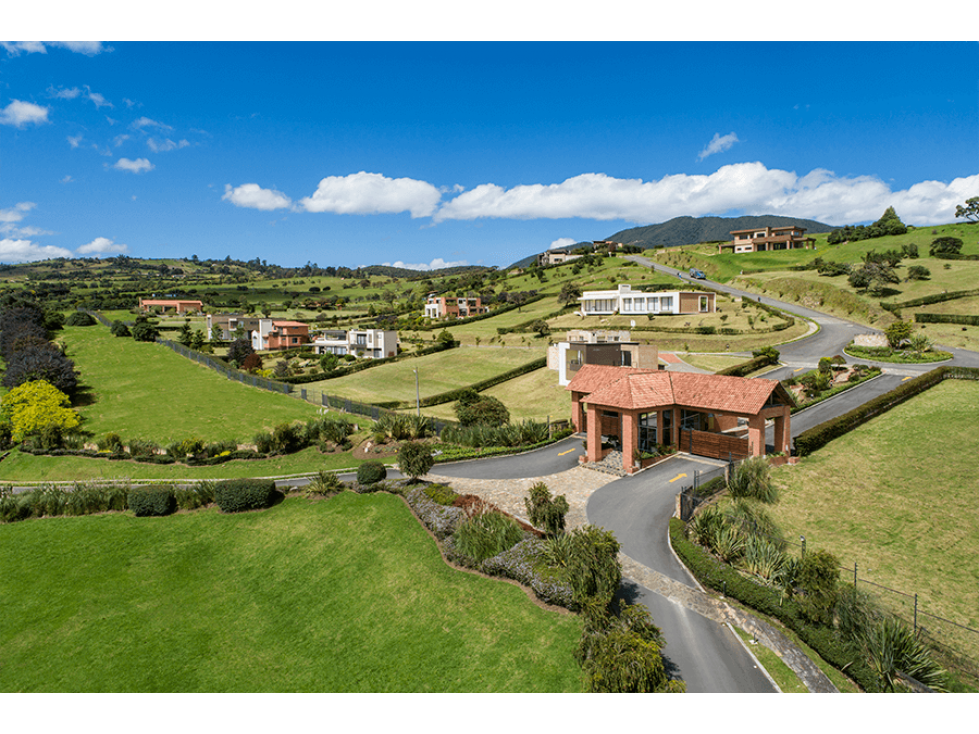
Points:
(162, 146)
(562, 242)
(19, 113)
(98, 99)
(718, 144)
(16, 213)
(64, 93)
(19, 251)
(253, 196)
(119, 140)
(67, 179)
(89, 48)
(372, 193)
(147, 122)
(74, 140)
(748, 187)
(436, 264)
(103, 246)
(137, 166)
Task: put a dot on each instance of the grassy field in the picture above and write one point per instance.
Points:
(437, 373)
(344, 595)
(907, 511)
(144, 390)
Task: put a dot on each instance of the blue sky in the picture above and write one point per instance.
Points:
(464, 153)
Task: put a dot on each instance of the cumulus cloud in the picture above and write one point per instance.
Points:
(20, 251)
(89, 48)
(436, 264)
(562, 242)
(162, 146)
(373, 193)
(750, 188)
(253, 196)
(143, 122)
(16, 212)
(103, 246)
(718, 144)
(19, 113)
(9, 219)
(137, 166)
(61, 93)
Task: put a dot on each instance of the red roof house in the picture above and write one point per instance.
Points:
(702, 414)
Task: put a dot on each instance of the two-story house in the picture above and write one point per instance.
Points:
(765, 239)
(366, 343)
(224, 326)
(276, 334)
(446, 307)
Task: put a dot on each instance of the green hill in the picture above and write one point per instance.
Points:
(691, 230)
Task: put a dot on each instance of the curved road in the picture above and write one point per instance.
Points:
(638, 508)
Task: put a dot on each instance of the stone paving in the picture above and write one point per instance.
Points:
(577, 485)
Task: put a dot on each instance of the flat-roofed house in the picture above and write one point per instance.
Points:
(453, 307)
(366, 343)
(165, 304)
(767, 239)
(277, 334)
(625, 301)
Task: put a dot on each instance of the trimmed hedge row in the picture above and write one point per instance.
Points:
(928, 300)
(818, 436)
(365, 364)
(946, 318)
(746, 368)
(151, 501)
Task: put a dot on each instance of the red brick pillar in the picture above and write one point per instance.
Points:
(756, 435)
(594, 435)
(630, 438)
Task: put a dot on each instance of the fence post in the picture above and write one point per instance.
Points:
(803, 539)
(915, 614)
(854, 579)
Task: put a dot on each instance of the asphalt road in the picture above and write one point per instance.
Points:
(553, 459)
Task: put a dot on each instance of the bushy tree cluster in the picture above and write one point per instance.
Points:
(29, 354)
(889, 224)
(475, 409)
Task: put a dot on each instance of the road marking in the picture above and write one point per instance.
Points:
(909, 377)
(567, 452)
(799, 370)
(678, 476)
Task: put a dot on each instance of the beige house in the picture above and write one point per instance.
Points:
(766, 239)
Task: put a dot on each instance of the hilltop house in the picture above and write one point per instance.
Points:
(444, 307)
(766, 239)
(625, 301)
(179, 306)
(708, 415)
(367, 343)
(276, 334)
(555, 257)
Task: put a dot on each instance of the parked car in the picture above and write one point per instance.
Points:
(694, 273)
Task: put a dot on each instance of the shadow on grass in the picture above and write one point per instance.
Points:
(83, 395)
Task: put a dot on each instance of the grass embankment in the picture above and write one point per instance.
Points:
(348, 594)
(908, 510)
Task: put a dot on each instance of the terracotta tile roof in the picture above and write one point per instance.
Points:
(631, 388)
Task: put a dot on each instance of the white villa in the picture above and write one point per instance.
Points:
(625, 301)
(368, 343)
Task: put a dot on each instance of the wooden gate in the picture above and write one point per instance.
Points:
(714, 445)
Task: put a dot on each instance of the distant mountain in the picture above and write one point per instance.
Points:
(690, 230)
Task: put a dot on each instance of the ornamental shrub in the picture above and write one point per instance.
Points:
(415, 459)
(486, 535)
(752, 478)
(594, 569)
(239, 495)
(152, 501)
(79, 318)
(545, 511)
(371, 472)
(118, 328)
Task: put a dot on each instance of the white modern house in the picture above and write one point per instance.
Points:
(625, 301)
(367, 343)
(610, 348)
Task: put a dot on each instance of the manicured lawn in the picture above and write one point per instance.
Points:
(899, 496)
(347, 594)
(144, 390)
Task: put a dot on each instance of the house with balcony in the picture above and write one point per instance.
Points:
(555, 257)
(767, 239)
(453, 307)
(634, 410)
(625, 301)
(277, 334)
(362, 343)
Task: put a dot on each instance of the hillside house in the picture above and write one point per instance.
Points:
(708, 415)
(555, 257)
(453, 307)
(610, 348)
(767, 239)
(277, 334)
(608, 246)
(625, 301)
(365, 343)
(166, 304)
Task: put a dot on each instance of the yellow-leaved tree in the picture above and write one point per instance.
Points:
(35, 405)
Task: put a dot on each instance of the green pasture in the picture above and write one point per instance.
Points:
(899, 496)
(348, 594)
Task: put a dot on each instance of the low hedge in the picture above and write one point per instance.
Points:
(371, 472)
(151, 501)
(365, 364)
(928, 300)
(239, 495)
(746, 368)
(946, 318)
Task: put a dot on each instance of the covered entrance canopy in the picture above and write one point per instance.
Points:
(656, 407)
